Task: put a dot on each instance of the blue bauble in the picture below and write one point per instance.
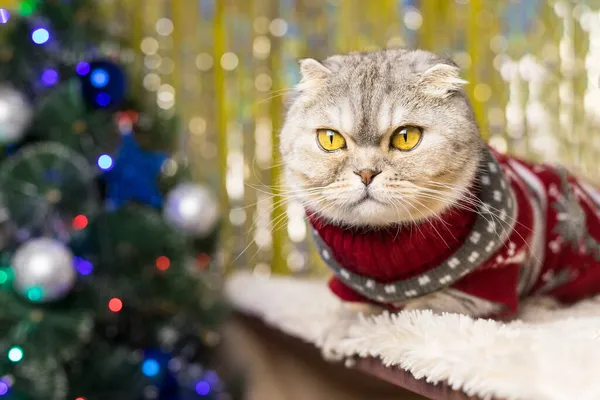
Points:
(103, 84)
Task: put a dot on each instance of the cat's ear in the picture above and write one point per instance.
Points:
(312, 69)
(441, 80)
(313, 73)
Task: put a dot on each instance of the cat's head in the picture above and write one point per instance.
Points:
(373, 139)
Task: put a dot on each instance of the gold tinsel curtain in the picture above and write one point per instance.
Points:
(225, 67)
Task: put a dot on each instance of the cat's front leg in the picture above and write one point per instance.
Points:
(338, 329)
(453, 301)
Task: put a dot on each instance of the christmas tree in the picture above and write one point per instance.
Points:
(107, 284)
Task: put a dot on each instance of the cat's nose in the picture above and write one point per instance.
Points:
(367, 175)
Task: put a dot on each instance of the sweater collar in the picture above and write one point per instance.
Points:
(395, 264)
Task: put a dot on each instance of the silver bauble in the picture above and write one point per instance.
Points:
(192, 209)
(15, 115)
(43, 270)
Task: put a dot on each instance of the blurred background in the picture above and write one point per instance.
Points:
(216, 75)
(225, 67)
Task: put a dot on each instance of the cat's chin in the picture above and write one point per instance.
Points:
(371, 213)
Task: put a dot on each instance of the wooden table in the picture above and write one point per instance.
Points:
(280, 367)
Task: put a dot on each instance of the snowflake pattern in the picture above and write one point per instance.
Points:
(554, 279)
(571, 226)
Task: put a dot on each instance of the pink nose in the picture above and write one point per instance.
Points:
(367, 175)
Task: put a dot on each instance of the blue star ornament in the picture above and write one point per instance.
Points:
(134, 176)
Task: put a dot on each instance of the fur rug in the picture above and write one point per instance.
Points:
(545, 354)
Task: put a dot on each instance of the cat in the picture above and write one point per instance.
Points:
(410, 207)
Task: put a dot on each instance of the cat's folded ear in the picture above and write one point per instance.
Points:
(313, 73)
(441, 80)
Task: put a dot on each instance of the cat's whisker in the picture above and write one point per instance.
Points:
(429, 221)
(274, 224)
(495, 218)
(418, 226)
(276, 95)
(439, 218)
(479, 203)
(460, 205)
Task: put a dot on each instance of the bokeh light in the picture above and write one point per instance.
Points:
(163, 263)
(27, 7)
(4, 15)
(80, 222)
(204, 62)
(150, 367)
(278, 27)
(152, 81)
(40, 36)
(49, 77)
(82, 68)
(3, 277)
(202, 388)
(115, 305)
(83, 266)
(164, 26)
(99, 78)
(35, 293)
(105, 162)
(229, 61)
(203, 260)
(413, 19)
(149, 45)
(3, 388)
(103, 99)
(15, 354)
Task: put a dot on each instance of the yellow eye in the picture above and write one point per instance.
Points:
(406, 138)
(330, 140)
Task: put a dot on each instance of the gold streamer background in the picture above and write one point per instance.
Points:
(233, 61)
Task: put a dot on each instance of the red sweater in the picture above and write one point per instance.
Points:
(552, 248)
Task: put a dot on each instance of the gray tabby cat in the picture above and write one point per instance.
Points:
(367, 96)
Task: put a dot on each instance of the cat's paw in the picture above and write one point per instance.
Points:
(426, 303)
(454, 302)
(545, 302)
(347, 315)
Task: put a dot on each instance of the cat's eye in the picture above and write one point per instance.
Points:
(406, 138)
(330, 140)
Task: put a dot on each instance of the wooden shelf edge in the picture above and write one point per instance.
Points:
(374, 368)
(405, 380)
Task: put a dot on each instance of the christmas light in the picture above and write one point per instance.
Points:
(202, 388)
(150, 367)
(49, 77)
(35, 294)
(15, 354)
(83, 68)
(40, 36)
(115, 305)
(27, 7)
(163, 263)
(7, 380)
(105, 162)
(83, 266)
(3, 277)
(4, 15)
(3, 388)
(99, 78)
(103, 99)
(80, 222)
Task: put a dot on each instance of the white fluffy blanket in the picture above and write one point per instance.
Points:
(543, 355)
